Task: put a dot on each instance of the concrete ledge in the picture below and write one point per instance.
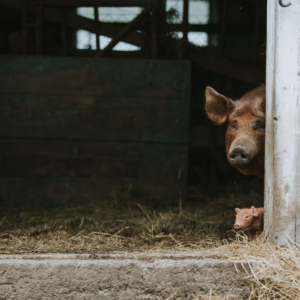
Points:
(126, 277)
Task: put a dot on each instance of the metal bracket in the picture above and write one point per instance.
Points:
(284, 5)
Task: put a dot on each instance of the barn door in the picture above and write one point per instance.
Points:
(81, 130)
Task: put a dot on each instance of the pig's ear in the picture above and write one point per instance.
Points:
(237, 210)
(254, 211)
(217, 106)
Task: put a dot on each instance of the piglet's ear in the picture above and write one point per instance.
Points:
(237, 210)
(217, 106)
(254, 211)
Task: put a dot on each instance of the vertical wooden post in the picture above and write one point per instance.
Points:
(154, 29)
(282, 159)
(185, 21)
(185, 28)
(96, 14)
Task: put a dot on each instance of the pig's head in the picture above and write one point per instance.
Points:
(245, 136)
(244, 217)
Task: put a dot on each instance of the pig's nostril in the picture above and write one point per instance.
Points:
(244, 156)
(232, 156)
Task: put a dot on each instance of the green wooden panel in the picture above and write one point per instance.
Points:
(59, 172)
(95, 77)
(56, 191)
(76, 129)
(94, 118)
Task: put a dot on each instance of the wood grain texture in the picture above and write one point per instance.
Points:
(283, 109)
(94, 118)
(79, 130)
(38, 171)
(95, 77)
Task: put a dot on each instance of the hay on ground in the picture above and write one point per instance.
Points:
(203, 226)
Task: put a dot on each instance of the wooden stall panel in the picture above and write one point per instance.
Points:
(78, 130)
(95, 77)
(94, 118)
(58, 172)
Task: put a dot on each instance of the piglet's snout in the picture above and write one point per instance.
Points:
(236, 226)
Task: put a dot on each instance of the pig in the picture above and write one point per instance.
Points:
(251, 219)
(245, 135)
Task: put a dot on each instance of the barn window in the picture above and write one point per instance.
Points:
(87, 40)
(198, 15)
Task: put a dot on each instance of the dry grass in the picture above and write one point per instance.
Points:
(117, 225)
(203, 226)
(274, 271)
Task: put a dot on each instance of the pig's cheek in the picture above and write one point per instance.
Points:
(248, 223)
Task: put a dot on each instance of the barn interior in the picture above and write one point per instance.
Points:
(104, 140)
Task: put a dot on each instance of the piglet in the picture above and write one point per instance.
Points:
(251, 219)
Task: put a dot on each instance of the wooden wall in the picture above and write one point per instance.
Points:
(80, 130)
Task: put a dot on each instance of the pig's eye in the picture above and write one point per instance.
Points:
(246, 217)
(260, 126)
(234, 125)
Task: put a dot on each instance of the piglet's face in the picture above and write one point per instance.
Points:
(244, 217)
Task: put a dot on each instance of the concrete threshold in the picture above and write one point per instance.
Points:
(120, 276)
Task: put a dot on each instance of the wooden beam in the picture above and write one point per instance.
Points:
(209, 28)
(97, 21)
(130, 26)
(93, 3)
(282, 164)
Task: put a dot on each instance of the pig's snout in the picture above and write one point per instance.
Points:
(240, 157)
(236, 226)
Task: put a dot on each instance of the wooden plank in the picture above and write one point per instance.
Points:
(125, 30)
(40, 166)
(90, 77)
(56, 191)
(91, 3)
(283, 108)
(269, 153)
(94, 118)
(59, 172)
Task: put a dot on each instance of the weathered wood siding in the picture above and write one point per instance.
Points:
(282, 165)
(83, 129)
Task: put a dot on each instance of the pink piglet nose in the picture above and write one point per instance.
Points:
(236, 226)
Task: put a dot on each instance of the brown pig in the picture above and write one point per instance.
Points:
(251, 219)
(245, 136)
